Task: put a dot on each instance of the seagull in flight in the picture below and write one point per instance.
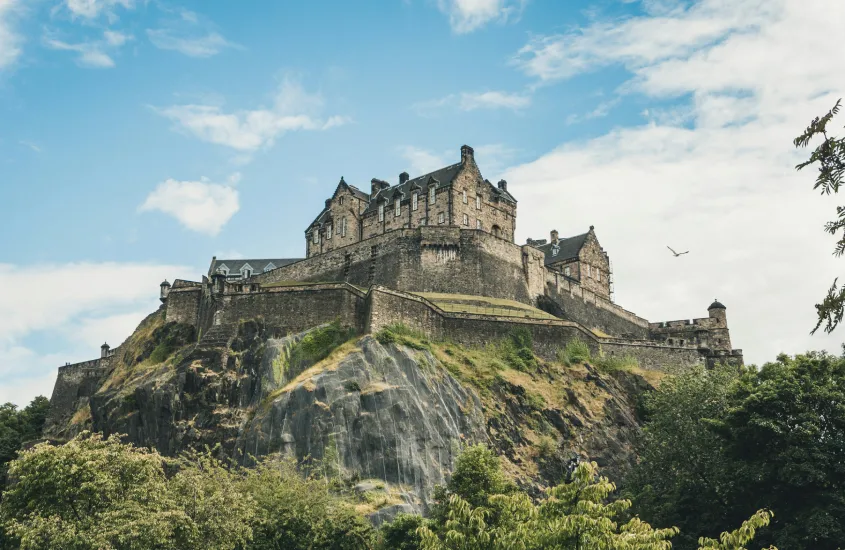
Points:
(677, 253)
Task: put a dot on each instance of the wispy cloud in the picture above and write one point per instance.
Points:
(601, 110)
(422, 160)
(92, 9)
(9, 39)
(471, 101)
(30, 145)
(95, 54)
(491, 158)
(201, 206)
(248, 130)
(189, 34)
(466, 16)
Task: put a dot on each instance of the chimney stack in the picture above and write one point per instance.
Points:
(554, 236)
(376, 186)
(403, 177)
(503, 185)
(467, 154)
(328, 203)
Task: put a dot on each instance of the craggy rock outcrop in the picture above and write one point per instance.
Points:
(396, 411)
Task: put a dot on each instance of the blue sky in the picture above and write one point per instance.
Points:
(139, 138)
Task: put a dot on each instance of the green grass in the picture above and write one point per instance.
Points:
(616, 363)
(398, 333)
(482, 305)
(317, 345)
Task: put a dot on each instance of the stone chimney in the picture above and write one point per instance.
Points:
(503, 185)
(554, 236)
(104, 350)
(403, 177)
(328, 203)
(376, 186)
(467, 154)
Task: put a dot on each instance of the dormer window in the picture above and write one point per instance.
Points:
(246, 271)
(224, 269)
(397, 206)
(414, 201)
(316, 236)
(431, 191)
(381, 212)
(269, 267)
(329, 232)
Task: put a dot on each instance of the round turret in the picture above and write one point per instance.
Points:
(165, 290)
(716, 305)
(104, 350)
(718, 311)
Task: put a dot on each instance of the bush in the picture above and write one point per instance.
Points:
(616, 363)
(517, 351)
(401, 533)
(398, 333)
(576, 351)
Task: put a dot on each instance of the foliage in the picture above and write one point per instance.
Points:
(477, 475)
(576, 351)
(398, 333)
(736, 540)
(293, 512)
(18, 427)
(610, 363)
(829, 156)
(318, 344)
(739, 441)
(517, 350)
(402, 533)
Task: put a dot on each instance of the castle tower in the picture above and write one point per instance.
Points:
(104, 351)
(720, 338)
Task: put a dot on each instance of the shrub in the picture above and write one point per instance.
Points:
(517, 351)
(398, 333)
(615, 362)
(576, 351)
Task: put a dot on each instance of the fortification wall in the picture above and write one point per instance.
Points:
(593, 311)
(75, 384)
(294, 309)
(183, 305)
(654, 356)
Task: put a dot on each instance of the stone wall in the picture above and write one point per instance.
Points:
(183, 305)
(654, 356)
(75, 384)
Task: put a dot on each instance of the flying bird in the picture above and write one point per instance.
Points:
(677, 253)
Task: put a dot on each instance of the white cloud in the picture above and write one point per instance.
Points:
(200, 206)
(601, 110)
(422, 161)
(92, 54)
(491, 159)
(91, 9)
(249, 130)
(199, 46)
(9, 39)
(31, 145)
(74, 308)
(471, 101)
(115, 38)
(725, 186)
(466, 16)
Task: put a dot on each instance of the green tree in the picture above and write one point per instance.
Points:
(18, 427)
(402, 533)
(678, 438)
(292, 512)
(94, 494)
(829, 158)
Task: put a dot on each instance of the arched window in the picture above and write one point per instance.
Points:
(497, 231)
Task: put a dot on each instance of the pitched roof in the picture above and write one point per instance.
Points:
(566, 249)
(503, 193)
(444, 177)
(257, 265)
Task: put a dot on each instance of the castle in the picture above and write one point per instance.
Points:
(437, 253)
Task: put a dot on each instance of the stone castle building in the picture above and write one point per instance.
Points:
(435, 252)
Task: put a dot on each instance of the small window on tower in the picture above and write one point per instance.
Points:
(424, 221)
(341, 200)
(466, 219)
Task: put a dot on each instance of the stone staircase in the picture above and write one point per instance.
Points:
(218, 336)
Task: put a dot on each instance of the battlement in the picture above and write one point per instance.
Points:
(704, 322)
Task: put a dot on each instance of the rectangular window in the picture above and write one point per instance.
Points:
(414, 201)
(466, 219)
(424, 221)
(598, 275)
(589, 271)
(381, 212)
(398, 206)
(441, 217)
(478, 202)
(329, 231)
(566, 271)
(465, 196)
(478, 224)
(341, 200)
(316, 236)
(431, 195)
(343, 227)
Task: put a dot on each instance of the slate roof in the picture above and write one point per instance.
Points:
(257, 265)
(717, 305)
(567, 249)
(501, 192)
(444, 177)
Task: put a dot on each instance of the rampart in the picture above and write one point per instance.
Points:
(75, 384)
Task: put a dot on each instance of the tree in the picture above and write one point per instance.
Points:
(829, 156)
(94, 493)
(19, 427)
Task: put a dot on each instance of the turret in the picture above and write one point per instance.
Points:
(165, 290)
(718, 311)
(218, 280)
(720, 336)
(467, 154)
(104, 350)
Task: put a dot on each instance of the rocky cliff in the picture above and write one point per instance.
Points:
(389, 411)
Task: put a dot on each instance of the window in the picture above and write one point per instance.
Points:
(465, 196)
(441, 217)
(478, 202)
(329, 232)
(590, 271)
(316, 236)
(424, 221)
(431, 194)
(466, 219)
(414, 201)
(598, 275)
(381, 212)
(398, 206)
(343, 227)
(341, 200)
(566, 271)
(269, 267)
(478, 224)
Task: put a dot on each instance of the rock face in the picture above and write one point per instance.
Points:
(387, 415)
